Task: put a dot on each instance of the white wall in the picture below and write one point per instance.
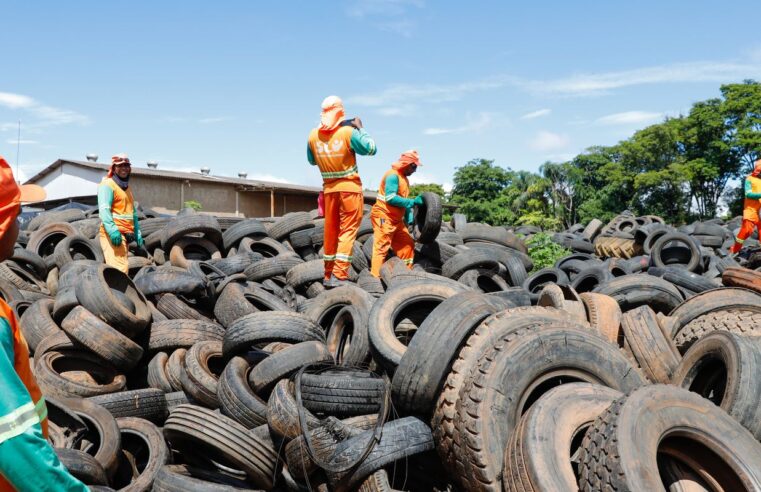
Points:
(69, 180)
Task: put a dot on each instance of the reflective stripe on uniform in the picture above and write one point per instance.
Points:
(328, 257)
(19, 420)
(343, 257)
(408, 261)
(129, 217)
(339, 174)
(739, 241)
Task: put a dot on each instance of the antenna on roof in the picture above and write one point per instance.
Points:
(242, 175)
(205, 171)
(152, 164)
(92, 157)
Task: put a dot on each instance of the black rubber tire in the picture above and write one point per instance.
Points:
(400, 439)
(386, 348)
(181, 333)
(198, 378)
(51, 382)
(100, 338)
(30, 261)
(288, 223)
(266, 247)
(347, 337)
(102, 430)
(94, 291)
(237, 399)
(723, 367)
(157, 377)
(592, 229)
(632, 291)
(82, 466)
(544, 437)
(659, 248)
(201, 431)
(44, 240)
(180, 227)
(148, 404)
(482, 280)
(37, 323)
(428, 218)
(259, 329)
(711, 301)
(305, 273)
(238, 300)
(252, 228)
(590, 278)
(619, 451)
(512, 377)
(325, 306)
(429, 356)
(173, 307)
(271, 267)
(182, 478)
(655, 353)
(683, 278)
(188, 249)
(146, 445)
(341, 393)
(283, 412)
(71, 247)
(286, 362)
(468, 260)
(22, 278)
(162, 281)
(497, 235)
(537, 280)
(9, 292)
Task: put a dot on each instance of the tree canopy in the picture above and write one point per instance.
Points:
(679, 169)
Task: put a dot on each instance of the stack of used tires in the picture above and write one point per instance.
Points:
(222, 363)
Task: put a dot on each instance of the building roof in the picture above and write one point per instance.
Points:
(251, 184)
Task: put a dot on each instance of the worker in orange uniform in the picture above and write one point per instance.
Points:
(333, 147)
(27, 461)
(118, 215)
(393, 211)
(751, 206)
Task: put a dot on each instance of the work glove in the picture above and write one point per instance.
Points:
(139, 239)
(116, 237)
(409, 216)
(418, 200)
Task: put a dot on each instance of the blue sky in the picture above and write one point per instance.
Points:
(238, 85)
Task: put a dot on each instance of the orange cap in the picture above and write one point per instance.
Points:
(12, 195)
(407, 158)
(332, 113)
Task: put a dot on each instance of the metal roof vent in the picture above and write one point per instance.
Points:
(92, 157)
(152, 164)
(242, 175)
(205, 171)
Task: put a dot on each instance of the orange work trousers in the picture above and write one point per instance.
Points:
(392, 234)
(746, 229)
(343, 214)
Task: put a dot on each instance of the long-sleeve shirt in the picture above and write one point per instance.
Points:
(749, 191)
(392, 188)
(27, 461)
(361, 143)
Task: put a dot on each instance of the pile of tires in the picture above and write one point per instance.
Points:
(222, 363)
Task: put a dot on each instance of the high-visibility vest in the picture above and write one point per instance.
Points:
(123, 207)
(30, 413)
(393, 213)
(337, 161)
(751, 206)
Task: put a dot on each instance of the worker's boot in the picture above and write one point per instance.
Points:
(333, 282)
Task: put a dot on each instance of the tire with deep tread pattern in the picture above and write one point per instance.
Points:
(236, 397)
(655, 353)
(619, 452)
(273, 326)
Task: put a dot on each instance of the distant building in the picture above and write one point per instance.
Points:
(166, 191)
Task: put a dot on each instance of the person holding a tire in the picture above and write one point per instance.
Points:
(751, 208)
(27, 461)
(118, 215)
(333, 147)
(392, 213)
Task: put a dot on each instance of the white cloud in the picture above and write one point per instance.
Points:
(404, 110)
(431, 93)
(630, 118)
(536, 114)
(42, 115)
(214, 119)
(598, 83)
(545, 141)
(14, 141)
(365, 8)
(481, 122)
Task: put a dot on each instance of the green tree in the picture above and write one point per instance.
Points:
(192, 204)
(742, 110)
(417, 189)
(477, 189)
